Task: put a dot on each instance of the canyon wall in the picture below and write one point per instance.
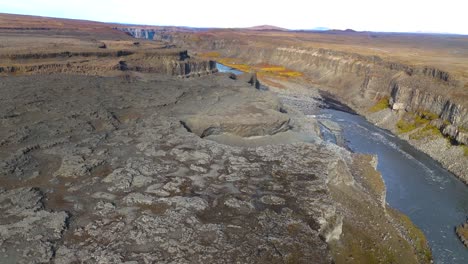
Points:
(169, 62)
(147, 33)
(140, 33)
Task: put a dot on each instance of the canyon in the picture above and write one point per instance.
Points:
(427, 83)
(124, 144)
(87, 48)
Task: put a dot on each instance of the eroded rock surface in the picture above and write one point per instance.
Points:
(118, 177)
(28, 232)
(139, 187)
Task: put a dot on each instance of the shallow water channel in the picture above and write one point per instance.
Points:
(434, 199)
(224, 68)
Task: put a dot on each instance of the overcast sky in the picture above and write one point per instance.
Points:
(448, 16)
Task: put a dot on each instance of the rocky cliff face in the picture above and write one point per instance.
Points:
(169, 62)
(191, 68)
(140, 33)
(415, 89)
(147, 33)
(412, 98)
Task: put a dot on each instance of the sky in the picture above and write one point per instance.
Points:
(435, 16)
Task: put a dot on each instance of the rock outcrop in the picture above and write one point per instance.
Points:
(418, 95)
(250, 114)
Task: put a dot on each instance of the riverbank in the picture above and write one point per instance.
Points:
(423, 135)
(410, 127)
(421, 129)
(415, 184)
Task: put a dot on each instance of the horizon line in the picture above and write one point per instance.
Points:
(313, 29)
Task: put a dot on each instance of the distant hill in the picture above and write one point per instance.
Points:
(267, 28)
(320, 29)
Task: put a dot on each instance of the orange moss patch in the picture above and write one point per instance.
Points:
(263, 70)
(277, 71)
(233, 63)
(212, 54)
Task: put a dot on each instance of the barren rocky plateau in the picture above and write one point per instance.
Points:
(123, 150)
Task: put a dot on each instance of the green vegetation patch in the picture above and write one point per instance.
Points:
(465, 150)
(382, 104)
(429, 131)
(411, 121)
(462, 129)
(420, 120)
(404, 126)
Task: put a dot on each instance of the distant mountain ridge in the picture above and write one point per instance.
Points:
(267, 28)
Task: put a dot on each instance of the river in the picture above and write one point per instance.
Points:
(433, 198)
